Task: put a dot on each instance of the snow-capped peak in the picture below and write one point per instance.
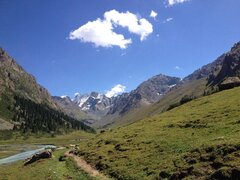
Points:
(92, 102)
(77, 94)
(171, 86)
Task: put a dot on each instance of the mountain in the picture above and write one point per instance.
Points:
(94, 104)
(104, 109)
(215, 76)
(70, 107)
(13, 78)
(222, 73)
(28, 106)
(160, 93)
(228, 74)
(145, 94)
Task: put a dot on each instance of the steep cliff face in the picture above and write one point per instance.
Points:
(14, 79)
(27, 106)
(228, 74)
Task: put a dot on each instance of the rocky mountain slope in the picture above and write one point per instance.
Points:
(228, 74)
(223, 73)
(149, 92)
(94, 104)
(26, 105)
(13, 78)
(101, 108)
(70, 107)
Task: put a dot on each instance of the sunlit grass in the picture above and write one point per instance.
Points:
(145, 148)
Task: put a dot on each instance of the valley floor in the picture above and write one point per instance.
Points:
(44, 169)
(197, 140)
(47, 168)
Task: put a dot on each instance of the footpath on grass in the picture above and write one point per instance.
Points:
(82, 164)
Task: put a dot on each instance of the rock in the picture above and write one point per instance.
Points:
(62, 158)
(38, 156)
(229, 83)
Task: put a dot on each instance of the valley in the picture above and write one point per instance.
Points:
(166, 127)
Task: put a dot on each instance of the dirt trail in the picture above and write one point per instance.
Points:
(86, 167)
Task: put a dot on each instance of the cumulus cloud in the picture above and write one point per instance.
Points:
(101, 32)
(116, 90)
(173, 2)
(153, 14)
(136, 25)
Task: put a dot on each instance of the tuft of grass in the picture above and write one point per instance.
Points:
(155, 147)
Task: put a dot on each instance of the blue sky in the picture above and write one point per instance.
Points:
(36, 33)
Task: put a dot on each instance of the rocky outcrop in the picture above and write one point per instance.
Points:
(14, 79)
(229, 83)
(227, 75)
(36, 157)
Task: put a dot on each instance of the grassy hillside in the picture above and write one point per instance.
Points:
(45, 169)
(197, 139)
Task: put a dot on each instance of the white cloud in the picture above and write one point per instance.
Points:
(177, 68)
(173, 2)
(116, 90)
(139, 26)
(168, 20)
(101, 32)
(153, 14)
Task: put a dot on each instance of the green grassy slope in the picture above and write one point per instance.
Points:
(47, 168)
(197, 139)
(44, 169)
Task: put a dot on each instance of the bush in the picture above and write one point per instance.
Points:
(184, 100)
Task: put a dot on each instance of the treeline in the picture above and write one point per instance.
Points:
(32, 117)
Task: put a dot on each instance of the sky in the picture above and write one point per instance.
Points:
(112, 46)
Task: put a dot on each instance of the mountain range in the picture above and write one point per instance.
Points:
(160, 92)
(166, 128)
(157, 94)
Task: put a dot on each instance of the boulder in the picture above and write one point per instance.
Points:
(42, 155)
(229, 83)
